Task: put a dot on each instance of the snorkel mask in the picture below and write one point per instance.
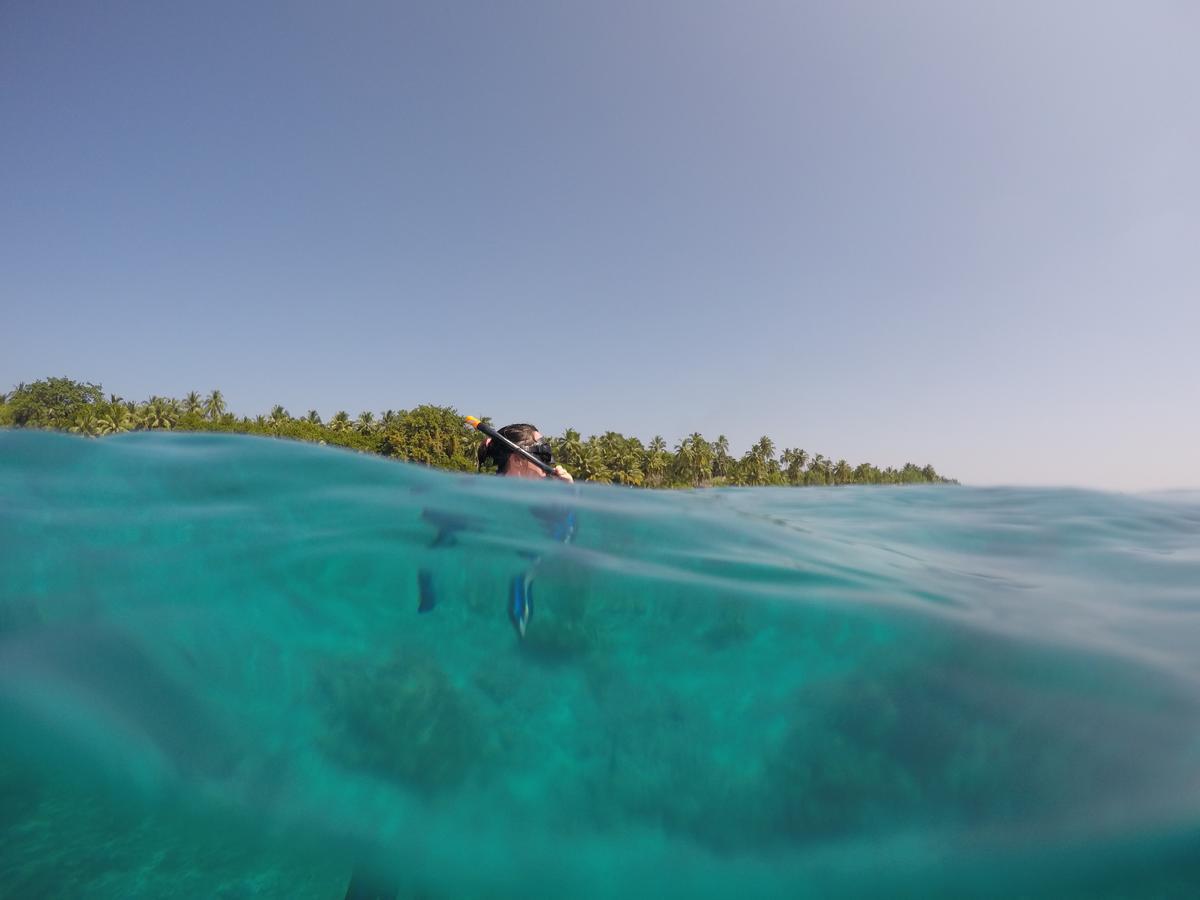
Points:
(502, 454)
(499, 447)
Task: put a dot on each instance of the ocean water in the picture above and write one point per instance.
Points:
(215, 683)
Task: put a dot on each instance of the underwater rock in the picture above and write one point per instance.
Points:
(656, 764)
(987, 738)
(403, 719)
(559, 631)
(826, 780)
(730, 627)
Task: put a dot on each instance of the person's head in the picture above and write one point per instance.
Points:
(513, 464)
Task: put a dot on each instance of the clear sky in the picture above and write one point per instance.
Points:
(958, 233)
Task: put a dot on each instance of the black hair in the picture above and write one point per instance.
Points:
(522, 434)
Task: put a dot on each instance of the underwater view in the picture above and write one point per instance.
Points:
(236, 667)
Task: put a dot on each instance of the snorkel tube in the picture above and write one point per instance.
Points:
(520, 451)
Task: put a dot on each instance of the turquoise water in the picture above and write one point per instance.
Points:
(214, 682)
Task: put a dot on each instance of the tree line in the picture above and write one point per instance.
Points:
(436, 436)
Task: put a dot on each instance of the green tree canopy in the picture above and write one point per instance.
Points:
(436, 436)
(433, 435)
(52, 402)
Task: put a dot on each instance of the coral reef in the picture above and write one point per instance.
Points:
(402, 718)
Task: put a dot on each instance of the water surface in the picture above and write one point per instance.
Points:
(215, 682)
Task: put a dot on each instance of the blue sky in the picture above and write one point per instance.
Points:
(965, 234)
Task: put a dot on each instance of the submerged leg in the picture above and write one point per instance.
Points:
(427, 599)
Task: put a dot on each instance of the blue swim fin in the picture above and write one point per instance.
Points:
(520, 601)
(558, 521)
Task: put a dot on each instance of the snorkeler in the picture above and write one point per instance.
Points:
(518, 451)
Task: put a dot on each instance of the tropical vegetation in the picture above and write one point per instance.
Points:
(436, 436)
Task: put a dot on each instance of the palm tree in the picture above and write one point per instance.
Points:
(158, 413)
(842, 473)
(590, 465)
(682, 464)
(117, 419)
(623, 457)
(279, 416)
(568, 449)
(655, 465)
(826, 470)
(693, 459)
(758, 465)
(313, 418)
(340, 421)
(816, 470)
(722, 461)
(764, 451)
(365, 422)
(86, 424)
(214, 406)
(793, 464)
(192, 403)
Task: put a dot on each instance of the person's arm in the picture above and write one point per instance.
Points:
(563, 474)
